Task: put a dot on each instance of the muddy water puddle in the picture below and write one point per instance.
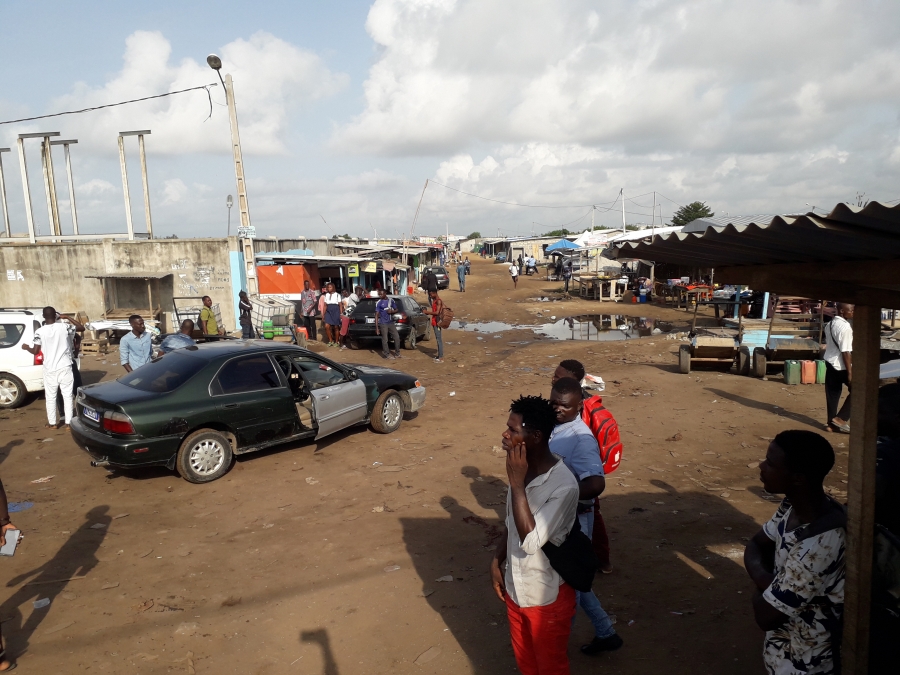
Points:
(589, 327)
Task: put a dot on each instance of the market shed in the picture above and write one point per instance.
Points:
(851, 255)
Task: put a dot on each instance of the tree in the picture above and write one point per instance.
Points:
(692, 211)
(557, 233)
(474, 235)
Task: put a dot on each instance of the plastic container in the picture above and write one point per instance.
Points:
(791, 372)
(820, 372)
(807, 372)
(643, 297)
(302, 331)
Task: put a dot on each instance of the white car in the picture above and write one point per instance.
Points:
(21, 372)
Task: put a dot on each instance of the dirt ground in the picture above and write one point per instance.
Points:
(312, 559)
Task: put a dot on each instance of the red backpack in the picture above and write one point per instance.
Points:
(606, 431)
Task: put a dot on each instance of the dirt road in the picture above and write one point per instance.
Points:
(313, 559)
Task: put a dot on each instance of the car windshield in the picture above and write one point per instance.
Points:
(164, 374)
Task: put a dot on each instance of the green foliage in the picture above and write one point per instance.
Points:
(474, 235)
(692, 211)
(557, 233)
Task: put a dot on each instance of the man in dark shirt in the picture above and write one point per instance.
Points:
(384, 324)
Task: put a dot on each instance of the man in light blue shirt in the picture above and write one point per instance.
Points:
(180, 339)
(574, 442)
(135, 347)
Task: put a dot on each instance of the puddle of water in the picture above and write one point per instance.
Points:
(597, 327)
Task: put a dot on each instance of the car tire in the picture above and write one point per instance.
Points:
(684, 359)
(204, 456)
(387, 413)
(12, 391)
(410, 341)
(354, 343)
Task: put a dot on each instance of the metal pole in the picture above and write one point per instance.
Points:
(28, 212)
(3, 203)
(51, 180)
(229, 220)
(622, 193)
(146, 186)
(243, 206)
(128, 222)
(71, 187)
(653, 221)
(47, 187)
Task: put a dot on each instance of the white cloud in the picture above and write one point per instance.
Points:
(272, 79)
(174, 191)
(94, 187)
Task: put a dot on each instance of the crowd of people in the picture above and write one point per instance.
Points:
(555, 466)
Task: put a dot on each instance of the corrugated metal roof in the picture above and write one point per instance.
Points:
(848, 233)
(701, 224)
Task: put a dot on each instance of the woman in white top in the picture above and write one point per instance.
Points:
(348, 304)
(332, 316)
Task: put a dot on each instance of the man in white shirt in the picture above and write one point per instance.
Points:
(540, 508)
(838, 368)
(54, 340)
(514, 273)
(574, 442)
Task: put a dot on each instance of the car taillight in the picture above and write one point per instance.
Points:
(117, 423)
(402, 318)
(39, 359)
(352, 320)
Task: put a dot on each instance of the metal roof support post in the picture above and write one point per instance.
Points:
(29, 215)
(861, 490)
(3, 203)
(71, 184)
(47, 188)
(146, 185)
(51, 185)
(128, 222)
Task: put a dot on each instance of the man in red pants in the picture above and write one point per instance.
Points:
(540, 507)
(600, 539)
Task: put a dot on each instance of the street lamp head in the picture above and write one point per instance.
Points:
(214, 61)
(229, 201)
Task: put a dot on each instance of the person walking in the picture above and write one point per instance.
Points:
(245, 320)
(437, 307)
(308, 310)
(514, 273)
(796, 561)
(567, 274)
(208, 324)
(385, 326)
(468, 264)
(429, 280)
(541, 502)
(839, 368)
(54, 340)
(575, 443)
(461, 276)
(5, 526)
(183, 338)
(332, 316)
(136, 346)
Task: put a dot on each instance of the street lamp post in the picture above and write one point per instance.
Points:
(243, 206)
(229, 202)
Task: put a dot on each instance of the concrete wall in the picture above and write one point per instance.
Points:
(46, 273)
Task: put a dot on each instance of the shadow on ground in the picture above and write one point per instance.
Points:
(768, 407)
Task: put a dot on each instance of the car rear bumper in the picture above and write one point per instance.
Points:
(366, 331)
(124, 453)
(416, 398)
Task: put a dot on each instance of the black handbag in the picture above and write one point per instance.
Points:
(574, 560)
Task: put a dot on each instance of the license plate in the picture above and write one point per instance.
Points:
(90, 413)
(370, 319)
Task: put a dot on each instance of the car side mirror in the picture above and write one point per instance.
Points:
(353, 375)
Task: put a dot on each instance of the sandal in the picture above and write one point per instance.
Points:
(843, 428)
(10, 665)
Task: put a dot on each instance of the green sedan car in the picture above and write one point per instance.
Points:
(195, 408)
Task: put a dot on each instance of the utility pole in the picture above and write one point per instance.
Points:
(622, 195)
(593, 208)
(653, 222)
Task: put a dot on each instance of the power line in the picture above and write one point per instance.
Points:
(111, 105)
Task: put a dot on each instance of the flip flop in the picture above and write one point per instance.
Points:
(843, 428)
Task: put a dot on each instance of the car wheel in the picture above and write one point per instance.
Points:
(354, 344)
(410, 342)
(204, 456)
(12, 391)
(684, 359)
(387, 413)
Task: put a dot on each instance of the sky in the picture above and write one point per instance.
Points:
(550, 109)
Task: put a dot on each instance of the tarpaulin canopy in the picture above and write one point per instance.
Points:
(562, 244)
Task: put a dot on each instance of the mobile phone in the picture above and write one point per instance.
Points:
(12, 540)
